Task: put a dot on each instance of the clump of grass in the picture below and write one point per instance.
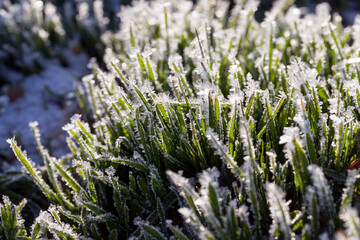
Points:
(211, 126)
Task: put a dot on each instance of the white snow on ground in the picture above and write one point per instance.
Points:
(39, 105)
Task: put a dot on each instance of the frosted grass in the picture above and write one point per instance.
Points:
(197, 132)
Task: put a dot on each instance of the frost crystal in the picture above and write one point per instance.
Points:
(279, 211)
(299, 74)
(290, 134)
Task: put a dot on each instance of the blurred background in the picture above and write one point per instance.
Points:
(346, 8)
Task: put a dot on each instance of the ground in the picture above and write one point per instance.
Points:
(49, 99)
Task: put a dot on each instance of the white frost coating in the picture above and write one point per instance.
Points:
(352, 223)
(323, 193)
(101, 218)
(251, 190)
(311, 200)
(222, 152)
(322, 187)
(198, 46)
(247, 140)
(348, 191)
(301, 118)
(14, 212)
(339, 126)
(290, 134)
(13, 146)
(251, 86)
(279, 211)
(204, 199)
(336, 105)
(273, 163)
(47, 220)
(176, 60)
(208, 177)
(185, 188)
(180, 181)
(299, 74)
(73, 125)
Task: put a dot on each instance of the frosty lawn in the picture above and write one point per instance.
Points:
(208, 126)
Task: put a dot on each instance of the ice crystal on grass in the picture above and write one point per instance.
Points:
(324, 195)
(279, 212)
(300, 74)
(50, 221)
(290, 135)
(12, 224)
(348, 192)
(352, 223)
(29, 166)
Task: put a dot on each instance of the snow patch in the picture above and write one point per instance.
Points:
(38, 104)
